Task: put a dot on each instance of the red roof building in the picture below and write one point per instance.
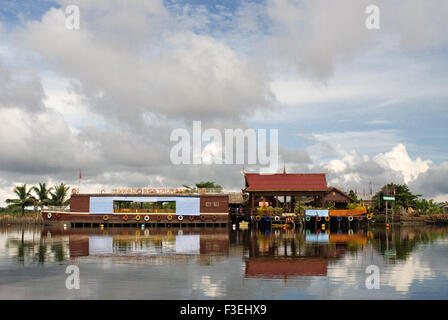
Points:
(265, 189)
(286, 182)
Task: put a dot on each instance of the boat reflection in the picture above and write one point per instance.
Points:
(266, 254)
(131, 245)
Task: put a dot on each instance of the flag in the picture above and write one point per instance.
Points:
(80, 174)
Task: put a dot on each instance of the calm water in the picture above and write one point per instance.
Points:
(222, 264)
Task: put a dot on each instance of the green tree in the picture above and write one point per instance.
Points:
(42, 193)
(59, 195)
(403, 196)
(25, 199)
(208, 185)
(427, 207)
(352, 195)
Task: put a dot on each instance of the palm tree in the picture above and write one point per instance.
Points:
(209, 185)
(42, 193)
(25, 199)
(58, 197)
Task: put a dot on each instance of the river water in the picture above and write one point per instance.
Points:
(217, 263)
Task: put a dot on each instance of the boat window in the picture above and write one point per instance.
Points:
(121, 206)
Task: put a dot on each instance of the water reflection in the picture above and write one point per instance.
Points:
(297, 253)
(141, 246)
(215, 262)
(29, 246)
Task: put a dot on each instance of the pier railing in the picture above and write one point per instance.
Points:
(58, 208)
(163, 191)
(145, 211)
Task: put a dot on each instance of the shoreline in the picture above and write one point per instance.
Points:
(416, 220)
(8, 219)
(17, 219)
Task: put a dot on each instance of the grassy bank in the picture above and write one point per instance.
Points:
(18, 219)
(421, 219)
(437, 219)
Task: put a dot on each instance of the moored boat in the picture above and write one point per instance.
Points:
(154, 208)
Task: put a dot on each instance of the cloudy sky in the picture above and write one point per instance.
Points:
(369, 106)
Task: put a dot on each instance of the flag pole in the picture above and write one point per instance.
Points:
(79, 180)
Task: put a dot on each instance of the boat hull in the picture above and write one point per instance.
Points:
(132, 218)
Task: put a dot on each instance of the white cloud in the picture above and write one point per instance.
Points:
(340, 153)
(398, 159)
(106, 97)
(345, 142)
(315, 36)
(403, 275)
(207, 287)
(378, 122)
(176, 73)
(433, 182)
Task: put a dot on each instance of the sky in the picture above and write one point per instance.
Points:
(366, 106)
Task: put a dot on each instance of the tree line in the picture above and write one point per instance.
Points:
(42, 195)
(39, 196)
(404, 198)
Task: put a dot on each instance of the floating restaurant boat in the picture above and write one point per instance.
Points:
(110, 209)
(271, 199)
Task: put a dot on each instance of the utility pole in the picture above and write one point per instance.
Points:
(379, 201)
(386, 212)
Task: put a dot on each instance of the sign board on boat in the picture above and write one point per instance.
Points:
(388, 198)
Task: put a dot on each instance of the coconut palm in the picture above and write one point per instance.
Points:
(25, 199)
(42, 193)
(59, 195)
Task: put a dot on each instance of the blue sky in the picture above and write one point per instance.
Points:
(15, 12)
(363, 105)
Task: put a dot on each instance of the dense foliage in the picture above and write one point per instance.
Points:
(43, 196)
(403, 196)
(204, 184)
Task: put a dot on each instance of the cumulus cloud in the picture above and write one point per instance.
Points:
(142, 72)
(20, 89)
(105, 98)
(353, 170)
(399, 160)
(420, 24)
(433, 182)
(315, 36)
(363, 141)
(172, 73)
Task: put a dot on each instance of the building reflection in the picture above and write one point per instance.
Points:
(285, 254)
(275, 254)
